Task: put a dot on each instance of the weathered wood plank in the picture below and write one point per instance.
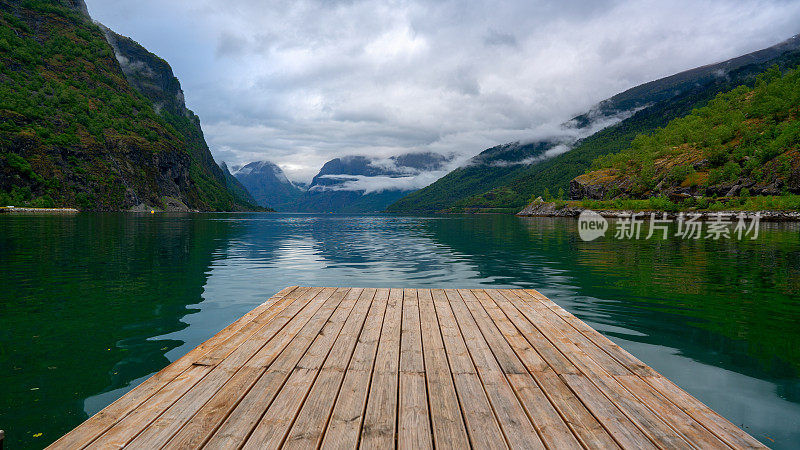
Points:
(588, 358)
(177, 413)
(717, 424)
(221, 371)
(386, 368)
(235, 430)
(578, 418)
(482, 425)
(449, 431)
(624, 432)
(719, 427)
(693, 431)
(413, 419)
(98, 424)
(344, 428)
(516, 425)
(309, 426)
(279, 417)
(631, 362)
(266, 343)
(549, 424)
(380, 419)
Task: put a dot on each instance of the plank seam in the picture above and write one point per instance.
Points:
(483, 385)
(724, 439)
(372, 372)
(425, 372)
(541, 388)
(319, 370)
(627, 414)
(289, 373)
(240, 368)
(580, 399)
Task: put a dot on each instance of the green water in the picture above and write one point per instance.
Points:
(90, 305)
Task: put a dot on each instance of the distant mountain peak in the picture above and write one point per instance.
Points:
(267, 183)
(266, 168)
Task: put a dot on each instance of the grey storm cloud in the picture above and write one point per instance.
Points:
(299, 82)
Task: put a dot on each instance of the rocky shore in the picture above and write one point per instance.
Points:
(552, 209)
(19, 210)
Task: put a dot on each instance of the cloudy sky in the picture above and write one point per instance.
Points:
(299, 82)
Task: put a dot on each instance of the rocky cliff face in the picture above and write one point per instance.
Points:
(78, 130)
(612, 183)
(153, 77)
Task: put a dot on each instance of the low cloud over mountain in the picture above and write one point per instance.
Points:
(302, 82)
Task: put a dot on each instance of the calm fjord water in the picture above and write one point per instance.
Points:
(92, 304)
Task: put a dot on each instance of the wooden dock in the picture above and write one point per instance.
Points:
(407, 368)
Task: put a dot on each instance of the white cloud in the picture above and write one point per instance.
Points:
(299, 82)
(381, 183)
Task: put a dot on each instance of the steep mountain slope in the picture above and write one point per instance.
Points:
(235, 186)
(653, 105)
(483, 172)
(746, 139)
(355, 184)
(267, 183)
(94, 125)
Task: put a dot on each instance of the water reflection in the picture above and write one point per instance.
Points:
(719, 318)
(83, 302)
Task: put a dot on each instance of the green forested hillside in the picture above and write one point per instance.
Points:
(75, 132)
(485, 171)
(743, 140)
(556, 173)
(661, 101)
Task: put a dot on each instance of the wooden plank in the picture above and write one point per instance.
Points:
(414, 431)
(553, 357)
(615, 351)
(587, 358)
(280, 415)
(96, 425)
(717, 425)
(380, 419)
(344, 427)
(482, 425)
(550, 426)
(237, 427)
(307, 431)
(619, 425)
(517, 427)
(583, 424)
(252, 334)
(693, 431)
(207, 399)
(167, 410)
(721, 427)
(566, 333)
(171, 417)
(344, 368)
(264, 345)
(449, 431)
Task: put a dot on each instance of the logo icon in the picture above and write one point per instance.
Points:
(591, 225)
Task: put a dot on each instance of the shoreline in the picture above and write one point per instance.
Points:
(27, 210)
(549, 209)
